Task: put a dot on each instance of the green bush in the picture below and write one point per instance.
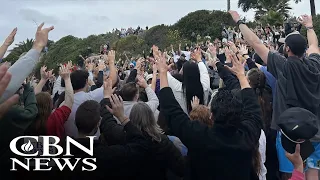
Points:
(203, 23)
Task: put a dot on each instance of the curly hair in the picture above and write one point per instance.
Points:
(202, 114)
(226, 108)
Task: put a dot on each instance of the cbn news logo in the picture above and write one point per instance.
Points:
(39, 153)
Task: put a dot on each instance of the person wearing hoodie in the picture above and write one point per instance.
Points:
(297, 78)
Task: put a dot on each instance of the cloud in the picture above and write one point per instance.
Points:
(37, 16)
(81, 18)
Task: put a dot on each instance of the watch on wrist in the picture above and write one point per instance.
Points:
(240, 22)
(308, 28)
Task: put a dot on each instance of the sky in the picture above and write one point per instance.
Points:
(81, 18)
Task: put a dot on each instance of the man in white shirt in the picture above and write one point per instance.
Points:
(187, 53)
(79, 80)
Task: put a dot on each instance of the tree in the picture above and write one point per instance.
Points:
(273, 18)
(204, 23)
(281, 8)
(264, 7)
(312, 7)
(20, 48)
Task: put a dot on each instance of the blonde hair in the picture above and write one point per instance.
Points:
(143, 118)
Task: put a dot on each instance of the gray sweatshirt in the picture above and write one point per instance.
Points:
(153, 103)
(20, 70)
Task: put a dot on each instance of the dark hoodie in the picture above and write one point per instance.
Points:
(297, 84)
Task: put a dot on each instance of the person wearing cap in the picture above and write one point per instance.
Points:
(181, 61)
(297, 77)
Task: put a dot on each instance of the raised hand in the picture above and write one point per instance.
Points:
(232, 46)
(41, 37)
(243, 49)
(117, 107)
(305, 20)
(155, 51)
(69, 65)
(296, 159)
(142, 82)
(90, 66)
(212, 49)
(237, 67)
(195, 102)
(154, 68)
(162, 64)
(45, 75)
(235, 16)
(107, 88)
(64, 72)
(5, 78)
(111, 56)
(101, 66)
(9, 40)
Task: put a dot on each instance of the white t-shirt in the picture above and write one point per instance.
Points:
(262, 151)
(187, 53)
(79, 98)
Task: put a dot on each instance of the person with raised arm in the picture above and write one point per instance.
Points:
(297, 78)
(9, 40)
(79, 80)
(213, 152)
(24, 66)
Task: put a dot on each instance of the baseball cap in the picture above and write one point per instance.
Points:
(183, 55)
(296, 42)
(298, 126)
(283, 40)
(149, 76)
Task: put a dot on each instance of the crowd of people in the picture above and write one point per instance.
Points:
(233, 108)
(123, 32)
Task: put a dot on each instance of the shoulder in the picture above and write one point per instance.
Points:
(275, 56)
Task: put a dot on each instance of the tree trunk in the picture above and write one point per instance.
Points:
(228, 5)
(313, 8)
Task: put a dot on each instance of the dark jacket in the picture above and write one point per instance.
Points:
(115, 161)
(160, 158)
(14, 123)
(222, 152)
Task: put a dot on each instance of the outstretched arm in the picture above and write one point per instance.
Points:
(24, 66)
(251, 38)
(9, 40)
(113, 71)
(312, 36)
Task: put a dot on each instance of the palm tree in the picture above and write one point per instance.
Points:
(312, 7)
(262, 7)
(21, 48)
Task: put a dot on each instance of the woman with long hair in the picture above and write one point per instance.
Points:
(162, 156)
(258, 82)
(195, 82)
(48, 122)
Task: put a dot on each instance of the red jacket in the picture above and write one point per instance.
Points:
(55, 123)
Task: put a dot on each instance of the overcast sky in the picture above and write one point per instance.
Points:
(81, 18)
